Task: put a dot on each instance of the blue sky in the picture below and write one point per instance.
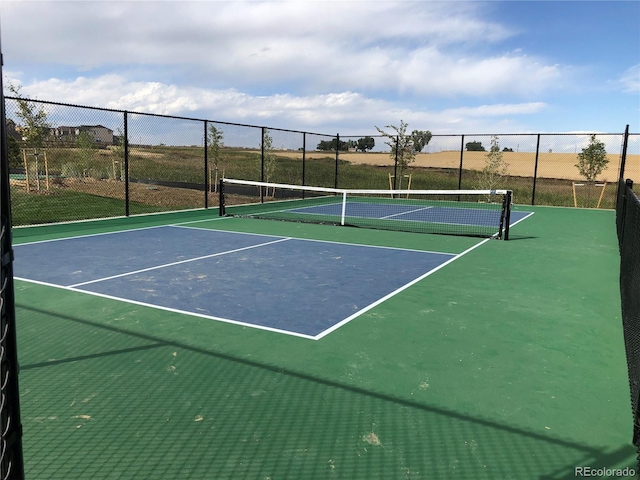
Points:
(337, 66)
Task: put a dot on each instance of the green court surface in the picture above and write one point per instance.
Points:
(507, 363)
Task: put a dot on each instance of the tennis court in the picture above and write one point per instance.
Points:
(188, 345)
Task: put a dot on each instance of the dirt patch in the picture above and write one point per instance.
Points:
(156, 195)
(372, 439)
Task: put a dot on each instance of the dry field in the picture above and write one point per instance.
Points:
(521, 164)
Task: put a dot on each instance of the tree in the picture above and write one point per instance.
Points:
(13, 150)
(85, 146)
(118, 162)
(365, 144)
(495, 168)
(330, 145)
(401, 144)
(215, 141)
(34, 129)
(269, 156)
(474, 147)
(420, 139)
(591, 162)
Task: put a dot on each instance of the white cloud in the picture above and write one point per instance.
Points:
(304, 64)
(409, 48)
(353, 113)
(630, 80)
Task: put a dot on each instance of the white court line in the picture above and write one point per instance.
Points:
(90, 235)
(526, 216)
(169, 309)
(405, 213)
(365, 245)
(212, 219)
(177, 263)
(279, 239)
(74, 288)
(395, 292)
(120, 231)
(297, 210)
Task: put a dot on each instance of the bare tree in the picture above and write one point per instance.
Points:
(34, 129)
(216, 136)
(401, 144)
(495, 169)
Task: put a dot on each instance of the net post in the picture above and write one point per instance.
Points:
(344, 207)
(221, 209)
(506, 209)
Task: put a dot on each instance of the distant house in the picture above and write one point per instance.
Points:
(12, 130)
(65, 134)
(100, 134)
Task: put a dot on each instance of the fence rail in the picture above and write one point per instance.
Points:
(71, 162)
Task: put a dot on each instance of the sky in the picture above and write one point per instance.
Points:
(332, 66)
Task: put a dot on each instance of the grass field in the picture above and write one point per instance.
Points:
(521, 164)
(165, 178)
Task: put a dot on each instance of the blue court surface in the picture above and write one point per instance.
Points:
(413, 213)
(306, 288)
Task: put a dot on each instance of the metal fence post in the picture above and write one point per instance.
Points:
(207, 184)
(337, 159)
(461, 157)
(11, 454)
(623, 155)
(262, 163)
(126, 164)
(304, 159)
(535, 172)
(395, 164)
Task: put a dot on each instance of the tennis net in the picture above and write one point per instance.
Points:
(479, 213)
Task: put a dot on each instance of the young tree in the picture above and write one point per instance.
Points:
(495, 169)
(402, 143)
(118, 161)
(591, 162)
(216, 136)
(85, 146)
(269, 156)
(34, 129)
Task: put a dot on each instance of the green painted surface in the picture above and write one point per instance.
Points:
(507, 363)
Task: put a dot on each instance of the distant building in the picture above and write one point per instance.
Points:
(12, 130)
(100, 134)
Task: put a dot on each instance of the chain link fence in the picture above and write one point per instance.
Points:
(628, 229)
(71, 162)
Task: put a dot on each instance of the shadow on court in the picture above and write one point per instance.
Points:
(117, 402)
